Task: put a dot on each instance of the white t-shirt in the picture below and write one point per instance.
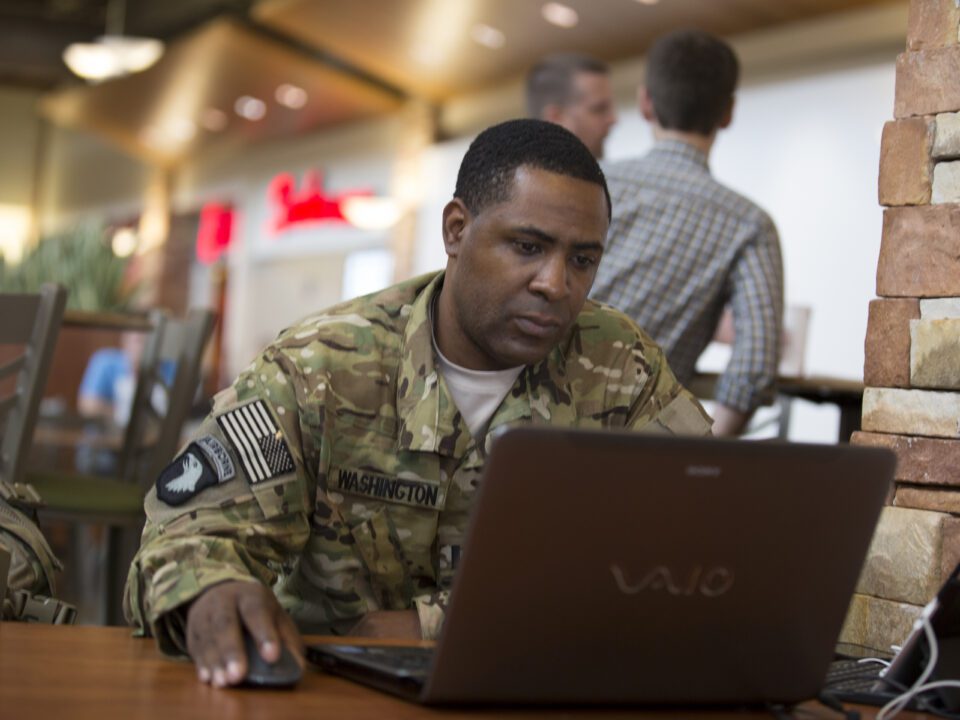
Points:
(476, 393)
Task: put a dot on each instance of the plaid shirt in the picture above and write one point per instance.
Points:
(680, 247)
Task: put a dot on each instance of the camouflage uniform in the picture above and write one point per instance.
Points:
(365, 504)
(27, 564)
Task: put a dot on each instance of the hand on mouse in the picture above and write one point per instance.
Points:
(215, 624)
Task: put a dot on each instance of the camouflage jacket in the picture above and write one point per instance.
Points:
(338, 470)
(27, 564)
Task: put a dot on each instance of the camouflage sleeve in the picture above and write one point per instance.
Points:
(662, 403)
(231, 506)
(33, 565)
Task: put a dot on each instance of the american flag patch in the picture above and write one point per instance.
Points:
(257, 441)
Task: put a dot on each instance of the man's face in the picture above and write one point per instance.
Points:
(590, 113)
(519, 271)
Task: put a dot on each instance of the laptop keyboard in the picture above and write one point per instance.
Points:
(858, 682)
(410, 660)
(852, 676)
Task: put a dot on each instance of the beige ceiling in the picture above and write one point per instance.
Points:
(358, 59)
(425, 46)
(153, 114)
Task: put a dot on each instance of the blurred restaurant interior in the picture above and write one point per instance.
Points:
(189, 163)
(281, 155)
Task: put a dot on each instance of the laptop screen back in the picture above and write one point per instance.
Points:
(623, 568)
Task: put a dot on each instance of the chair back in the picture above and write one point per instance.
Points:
(30, 323)
(167, 381)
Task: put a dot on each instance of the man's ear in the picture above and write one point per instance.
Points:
(456, 217)
(645, 104)
(552, 112)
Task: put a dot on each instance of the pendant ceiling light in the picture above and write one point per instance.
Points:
(113, 54)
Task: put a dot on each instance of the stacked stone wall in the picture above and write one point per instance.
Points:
(911, 401)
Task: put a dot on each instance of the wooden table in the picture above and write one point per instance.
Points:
(102, 673)
(70, 444)
(846, 394)
(121, 322)
(49, 432)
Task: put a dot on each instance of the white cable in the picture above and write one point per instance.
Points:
(920, 690)
(900, 701)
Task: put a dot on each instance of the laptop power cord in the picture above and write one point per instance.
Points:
(921, 686)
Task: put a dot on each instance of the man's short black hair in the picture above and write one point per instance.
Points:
(488, 168)
(550, 81)
(691, 77)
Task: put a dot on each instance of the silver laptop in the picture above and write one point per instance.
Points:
(617, 568)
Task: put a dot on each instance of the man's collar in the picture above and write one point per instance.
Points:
(429, 419)
(425, 413)
(686, 151)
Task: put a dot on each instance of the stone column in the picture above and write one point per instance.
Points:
(912, 352)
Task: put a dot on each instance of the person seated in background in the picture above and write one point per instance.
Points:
(328, 491)
(682, 245)
(106, 390)
(107, 370)
(573, 91)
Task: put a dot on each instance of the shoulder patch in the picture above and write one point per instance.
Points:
(188, 475)
(257, 441)
(218, 456)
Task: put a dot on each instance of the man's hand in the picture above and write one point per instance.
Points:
(215, 625)
(404, 624)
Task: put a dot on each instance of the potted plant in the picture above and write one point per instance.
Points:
(97, 281)
(81, 260)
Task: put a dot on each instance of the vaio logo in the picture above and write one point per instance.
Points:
(708, 582)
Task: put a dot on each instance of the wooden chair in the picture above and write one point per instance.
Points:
(29, 324)
(151, 438)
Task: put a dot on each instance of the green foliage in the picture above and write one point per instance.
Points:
(82, 261)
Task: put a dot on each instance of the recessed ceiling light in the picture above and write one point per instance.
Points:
(112, 56)
(559, 15)
(250, 108)
(213, 120)
(291, 96)
(648, 2)
(427, 54)
(169, 136)
(181, 129)
(488, 36)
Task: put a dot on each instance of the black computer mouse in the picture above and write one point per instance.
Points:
(284, 673)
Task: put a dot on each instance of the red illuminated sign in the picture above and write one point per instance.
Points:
(215, 232)
(309, 204)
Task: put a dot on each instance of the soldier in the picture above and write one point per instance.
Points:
(28, 566)
(329, 489)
